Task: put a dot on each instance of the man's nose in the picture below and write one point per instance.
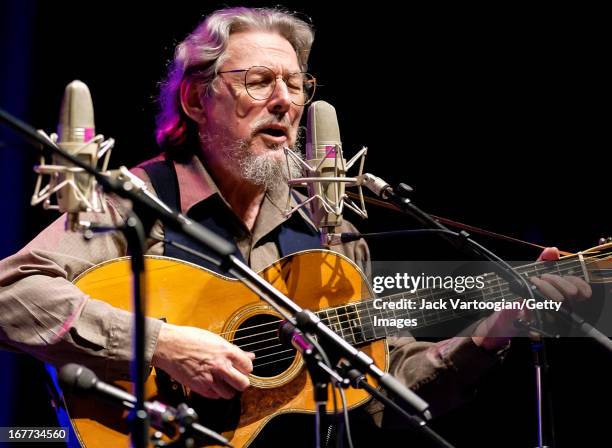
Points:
(280, 101)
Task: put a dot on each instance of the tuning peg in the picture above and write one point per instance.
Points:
(605, 240)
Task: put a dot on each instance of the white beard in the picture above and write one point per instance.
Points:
(267, 170)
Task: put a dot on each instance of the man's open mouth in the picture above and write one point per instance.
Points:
(273, 131)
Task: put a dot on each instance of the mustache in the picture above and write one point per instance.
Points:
(268, 121)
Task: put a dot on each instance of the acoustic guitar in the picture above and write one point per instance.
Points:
(322, 281)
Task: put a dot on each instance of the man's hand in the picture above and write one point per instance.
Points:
(557, 287)
(202, 361)
(495, 331)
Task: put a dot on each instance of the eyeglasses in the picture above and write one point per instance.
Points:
(260, 82)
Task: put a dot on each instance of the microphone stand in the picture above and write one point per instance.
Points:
(462, 242)
(359, 381)
(304, 320)
(539, 358)
(321, 374)
(135, 235)
(180, 424)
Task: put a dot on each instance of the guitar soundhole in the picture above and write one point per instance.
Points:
(259, 334)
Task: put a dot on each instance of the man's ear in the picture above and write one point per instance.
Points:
(191, 100)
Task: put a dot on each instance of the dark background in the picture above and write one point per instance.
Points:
(498, 118)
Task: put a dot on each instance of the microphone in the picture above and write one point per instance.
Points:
(292, 337)
(325, 158)
(79, 379)
(325, 168)
(75, 131)
(75, 190)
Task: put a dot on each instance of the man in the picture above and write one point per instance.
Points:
(234, 97)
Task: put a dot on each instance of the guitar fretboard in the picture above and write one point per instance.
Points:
(355, 322)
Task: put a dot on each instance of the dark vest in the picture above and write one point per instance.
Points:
(293, 235)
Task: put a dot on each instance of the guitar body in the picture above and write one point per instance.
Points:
(185, 294)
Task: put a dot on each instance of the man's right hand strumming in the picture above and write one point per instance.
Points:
(203, 361)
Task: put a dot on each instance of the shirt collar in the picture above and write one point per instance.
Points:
(197, 185)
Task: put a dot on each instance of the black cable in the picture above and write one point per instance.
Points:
(347, 237)
(187, 249)
(345, 410)
(347, 424)
(327, 362)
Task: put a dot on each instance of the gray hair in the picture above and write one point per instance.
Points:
(205, 49)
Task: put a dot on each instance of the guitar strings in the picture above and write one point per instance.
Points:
(364, 306)
(373, 331)
(559, 264)
(436, 294)
(438, 320)
(275, 353)
(259, 342)
(274, 362)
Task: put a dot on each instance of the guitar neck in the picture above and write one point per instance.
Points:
(358, 323)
